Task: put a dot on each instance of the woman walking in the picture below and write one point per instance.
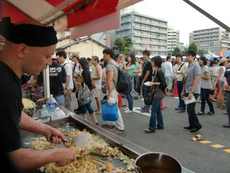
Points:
(206, 87)
(158, 92)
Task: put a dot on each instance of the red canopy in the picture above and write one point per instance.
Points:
(84, 16)
(78, 12)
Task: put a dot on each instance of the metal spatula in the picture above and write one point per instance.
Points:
(83, 140)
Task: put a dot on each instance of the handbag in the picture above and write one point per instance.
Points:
(109, 111)
(148, 94)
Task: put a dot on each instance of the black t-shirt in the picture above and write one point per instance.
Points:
(227, 75)
(147, 67)
(10, 109)
(57, 78)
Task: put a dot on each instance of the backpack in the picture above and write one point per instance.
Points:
(124, 82)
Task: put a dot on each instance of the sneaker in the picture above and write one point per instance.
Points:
(144, 110)
(160, 128)
(107, 126)
(193, 130)
(125, 109)
(200, 113)
(187, 128)
(226, 126)
(181, 111)
(128, 111)
(177, 109)
(149, 130)
(210, 113)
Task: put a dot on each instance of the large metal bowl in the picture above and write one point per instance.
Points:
(157, 163)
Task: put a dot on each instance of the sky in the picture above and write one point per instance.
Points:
(180, 16)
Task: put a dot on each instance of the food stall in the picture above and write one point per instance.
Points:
(98, 150)
(80, 17)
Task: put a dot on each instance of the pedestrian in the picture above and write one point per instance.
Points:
(167, 69)
(96, 74)
(76, 66)
(180, 70)
(68, 66)
(158, 91)
(220, 83)
(192, 89)
(111, 82)
(206, 88)
(227, 91)
(213, 73)
(131, 68)
(30, 53)
(146, 76)
(57, 79)
(121, 61)
(84, 98)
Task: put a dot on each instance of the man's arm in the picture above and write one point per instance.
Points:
(194, 84)
(145, 78)
(109, 80)
(68, 70)
(29, 124)
(28, 159)
(226, 86)
(99, 71)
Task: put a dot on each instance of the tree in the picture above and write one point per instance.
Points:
(201, 52)
(176, 51)
(124, 45)
(193, 47)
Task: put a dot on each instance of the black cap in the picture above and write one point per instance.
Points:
(29, 34)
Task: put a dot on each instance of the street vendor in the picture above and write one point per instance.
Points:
(27, 49)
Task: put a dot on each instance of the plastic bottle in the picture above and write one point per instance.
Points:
(51, 106)
(44, 112)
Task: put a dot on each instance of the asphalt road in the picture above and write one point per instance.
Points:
(174, 140)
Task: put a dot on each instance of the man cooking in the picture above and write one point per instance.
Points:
(27, 49)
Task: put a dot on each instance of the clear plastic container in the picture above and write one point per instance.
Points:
(44, 112)
(51, 106)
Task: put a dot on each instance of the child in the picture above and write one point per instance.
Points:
(84, 99)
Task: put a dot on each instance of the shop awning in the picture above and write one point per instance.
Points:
(77, 14)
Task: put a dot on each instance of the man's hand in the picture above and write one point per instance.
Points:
(227, 87)
(190, 96)
(28, 159)
(63, 156)
(111, 100)
(54, 135)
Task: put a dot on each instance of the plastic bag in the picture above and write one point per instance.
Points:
(109, 111)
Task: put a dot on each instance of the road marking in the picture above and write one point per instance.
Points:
(201, 141)
(138, 111)
(217, 146)
(227, 150)
(205, 142)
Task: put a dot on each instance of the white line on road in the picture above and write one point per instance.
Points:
(138, 111)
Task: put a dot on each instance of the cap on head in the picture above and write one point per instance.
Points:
(29, 34)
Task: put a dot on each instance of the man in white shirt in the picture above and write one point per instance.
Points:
(168, 72)
(62, 58)
(180, 70)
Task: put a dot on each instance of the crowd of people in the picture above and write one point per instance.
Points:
(81, 84)
(78, 82)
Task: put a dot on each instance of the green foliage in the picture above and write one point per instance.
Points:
(193, 47)
(176, 51)
(124, 45)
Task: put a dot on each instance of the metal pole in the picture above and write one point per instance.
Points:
(46, 82)
(208, 15)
